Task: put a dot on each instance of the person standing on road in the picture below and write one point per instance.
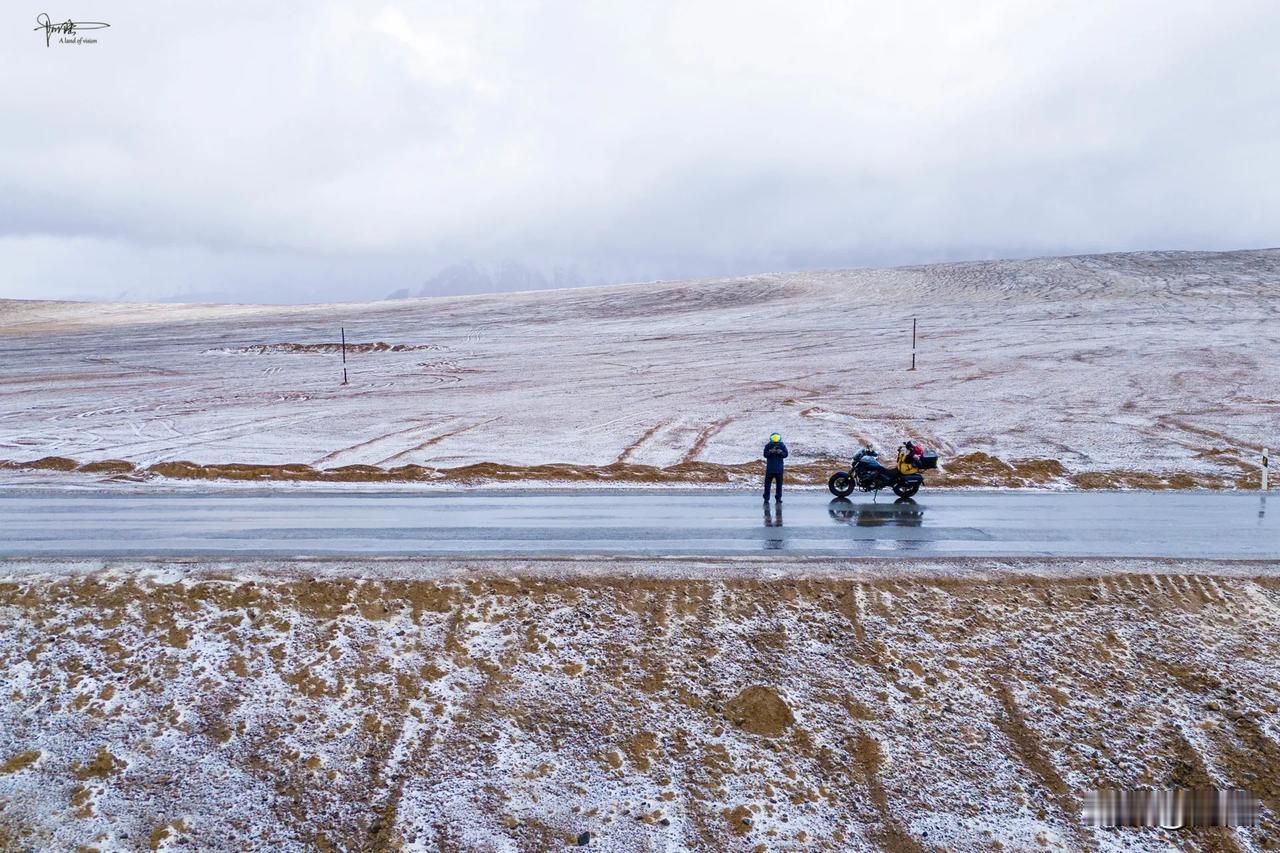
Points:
(774, 452)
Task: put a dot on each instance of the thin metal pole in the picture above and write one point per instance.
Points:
(344, 355)
(913, 343)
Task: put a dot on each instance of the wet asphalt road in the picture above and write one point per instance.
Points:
(294, 523)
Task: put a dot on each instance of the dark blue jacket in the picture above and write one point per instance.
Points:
(774, 453)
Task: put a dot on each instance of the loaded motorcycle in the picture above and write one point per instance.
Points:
(868, 474)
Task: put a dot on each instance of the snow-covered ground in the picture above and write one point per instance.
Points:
(1168, 362)
(949, 705)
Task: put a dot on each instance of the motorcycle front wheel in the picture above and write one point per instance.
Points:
(840, 484)
(905, 490)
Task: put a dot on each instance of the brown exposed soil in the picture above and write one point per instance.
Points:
(107, 466)
(20, 761)
(181, 470)
(48, 463)
(103, 764)
(966, 470)
(162, 834)
(979, 469)
(330, 348)
(759, 710)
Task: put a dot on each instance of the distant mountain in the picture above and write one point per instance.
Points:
(472, 277)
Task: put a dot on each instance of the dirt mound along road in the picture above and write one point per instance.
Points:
(972, 469)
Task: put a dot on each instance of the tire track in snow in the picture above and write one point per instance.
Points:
(701, 441)
(892, 834)
(136, 449)
(630, 449)
(1029, 749)
(435, 440)
(333, 456)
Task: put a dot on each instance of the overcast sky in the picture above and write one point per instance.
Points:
(311, 151)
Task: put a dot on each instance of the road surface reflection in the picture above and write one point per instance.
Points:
(904, 512)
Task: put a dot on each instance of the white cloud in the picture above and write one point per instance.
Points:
(668, 138)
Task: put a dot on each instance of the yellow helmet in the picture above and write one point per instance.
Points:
(775, 437)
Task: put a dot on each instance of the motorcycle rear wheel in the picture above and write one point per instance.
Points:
(905, 490)
(840, 484)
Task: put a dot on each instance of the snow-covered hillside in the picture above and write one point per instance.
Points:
(1106, 364)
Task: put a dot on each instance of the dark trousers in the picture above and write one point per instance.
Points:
(773, 479)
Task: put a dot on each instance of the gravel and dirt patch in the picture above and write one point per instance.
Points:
(529, 706)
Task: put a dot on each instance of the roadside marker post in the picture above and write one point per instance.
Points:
(344, 355)
(1266, 464)
(913, 343)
